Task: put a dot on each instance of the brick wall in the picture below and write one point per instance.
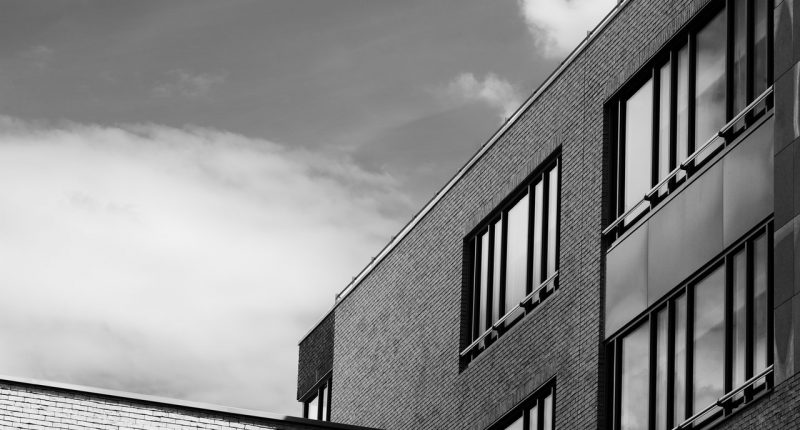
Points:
(316, 356)
(398, 333)
(27, 404)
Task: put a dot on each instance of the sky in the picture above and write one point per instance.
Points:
(187, 183)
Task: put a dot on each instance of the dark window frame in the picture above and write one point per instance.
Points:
(523, 409)
(685, 290)
(615, 106)
(477, 339)
(322, 390)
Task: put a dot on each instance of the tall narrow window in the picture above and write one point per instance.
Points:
(679, 390)
(638, 145)
(317, 406)
(739, 55)
(662, 336)
(682, 117)
(635, 374)
(664, 123)
(709, 340)
(761, 46)
(514, 251)
(710, 82)
(760, 304)
(739, 314)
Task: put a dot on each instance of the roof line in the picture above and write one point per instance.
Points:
(590, 36)
(177, 403)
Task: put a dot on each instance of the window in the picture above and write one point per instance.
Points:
(513, 258)
(701, 352)
(317, 406)
(674, 115)
(536, 413)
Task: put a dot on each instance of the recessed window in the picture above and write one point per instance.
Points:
(703, 351)
(695, 97)
(513, 257)
(536, 413)
(317, 406)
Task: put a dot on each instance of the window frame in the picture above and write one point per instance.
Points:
(322, 390)
(522, 409)
(477, 339)
(757, 105)
(734, 396)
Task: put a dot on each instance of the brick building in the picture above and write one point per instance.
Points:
(619, 255)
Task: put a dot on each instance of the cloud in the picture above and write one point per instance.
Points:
(186, 84)
(495, 92)
(559, 25)
(39, 56)
(178, 262)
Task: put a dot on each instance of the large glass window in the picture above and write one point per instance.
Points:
(536, 413)
(668, 119)
(699, 351)
(514, 258)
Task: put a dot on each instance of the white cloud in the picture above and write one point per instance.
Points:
(186, 84)
(559, 25)
(178, 262)
(39, 56)
(495, 92)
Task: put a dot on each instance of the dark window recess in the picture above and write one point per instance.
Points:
(535, 413)
(317, 406)
(703, 351)
(711, 82)
(514, 259)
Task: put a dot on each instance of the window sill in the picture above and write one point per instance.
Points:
(511, 318)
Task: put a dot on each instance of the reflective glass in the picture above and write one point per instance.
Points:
(739, 323)
(663, 124)
(534, 418)
(484, 273)
(322, 406)
(682, 118)
(662, 329)
(326, 408)
(313, 409)
(516, 253)
(538, 213)
(739, 55)
(679, 394)
(638, 146)
(498, 245)
(626, 280)
(760, 49)
(635, 374)
(516, 425)
(760, 304)
(709, 340)
(552, 224)
(547, 413)
(710, 82)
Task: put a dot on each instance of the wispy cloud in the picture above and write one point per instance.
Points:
(498, 93)
(186, 84)
(559, 25)
(179, 262)
(39, 56)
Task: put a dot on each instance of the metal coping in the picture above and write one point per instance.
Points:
(590, 36)
(189, 406)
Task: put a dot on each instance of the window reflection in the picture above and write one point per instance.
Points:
(533, 414)
(661, 368)
(761, 48)
(638, 145)
(739, 323)
(679, 393)
(710, 82)
(484, 282)
(516, 253)
(760, 305)
(709, 340)
(516, 425)
(635, 374)
(682, 117)
(536, 258)
(552, 225)
(313, 409)
(498, 243)
(739, 55)
(547, 413)
(664, 166)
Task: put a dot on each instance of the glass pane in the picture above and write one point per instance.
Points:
(663, 124)
(552, 223)
(760, 344)
(516, 425)
(739, 55)
(682, 118)
(516, 253)
(626, 280)
(313, 409)
(538, 213)
(498, 246)
(484, 282)
(709, 340)
(638, 146)
(322, 405)
(533, 413)
(661, 369)
(760, 49)
(710, 82)
(547, 413)
(635, 373)
(679, 395)
(327, 395)
(739, 323)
